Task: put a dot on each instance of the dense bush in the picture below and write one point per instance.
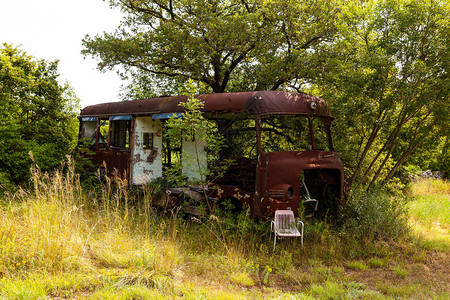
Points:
(373, 216)
(38, 115)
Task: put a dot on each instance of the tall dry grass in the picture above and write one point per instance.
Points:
(428, 187)
(57, 227)
(111, 239)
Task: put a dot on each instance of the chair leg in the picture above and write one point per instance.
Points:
(274, 241)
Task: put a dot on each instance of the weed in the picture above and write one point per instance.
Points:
(265, 275)
(22, 289)
(420, 257)
(400, 271)
(430, 216)
(338, 271)
(357, 290)
(329, 290)
(241, 278)
(357, 265)
(377, 262)
(400, 290)
(130, 292)
(426, 187)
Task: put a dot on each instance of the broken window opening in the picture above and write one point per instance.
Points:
(320, 134)
(171, 152)
(285, 133)
(103, 132)
(278, 133)
(120, 133)
(243, 139)
(147, 140)
(88, 131)
(322, 185)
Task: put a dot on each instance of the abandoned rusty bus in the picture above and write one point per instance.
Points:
(280, 143)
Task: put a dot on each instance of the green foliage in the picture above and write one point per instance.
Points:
(226, 45)
(148, 85)
(357, 265)
(428, 212)
(330, 290)
(38, 115)
(84, 166)
(430, 216)
(242, 279)
(371, 217)
(435, 158)
(430, 202)
(400, 271)
(389, 88)
(377, 262)
(5, 184)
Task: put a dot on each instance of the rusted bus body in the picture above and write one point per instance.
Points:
(270, 181)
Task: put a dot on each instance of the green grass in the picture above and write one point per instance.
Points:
(430, 213)
(430, 203)
(376, 262)
(60, 241)
(400, 271)
(357, 265)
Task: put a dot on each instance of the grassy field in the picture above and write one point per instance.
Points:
(58, 241)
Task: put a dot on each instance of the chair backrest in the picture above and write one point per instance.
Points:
(285, 221)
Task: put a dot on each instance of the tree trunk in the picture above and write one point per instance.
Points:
(405, 155)
(375, 159)
(394, 140)
(376, 127)
(412, 146)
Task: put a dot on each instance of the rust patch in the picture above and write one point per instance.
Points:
(137, 158)
(152, 155)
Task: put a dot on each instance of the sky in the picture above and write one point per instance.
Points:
(53, 30)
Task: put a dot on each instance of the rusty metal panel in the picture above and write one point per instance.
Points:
(280, 171)
(259, 103)
(117, 162)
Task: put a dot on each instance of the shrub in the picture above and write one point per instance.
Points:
(373, 216)
(6, 186)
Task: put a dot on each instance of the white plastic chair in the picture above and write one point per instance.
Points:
(284, 225)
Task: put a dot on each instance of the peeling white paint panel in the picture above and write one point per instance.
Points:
(193, 157)
(146, 163)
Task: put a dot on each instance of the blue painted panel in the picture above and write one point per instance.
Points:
(120, 118)
(89, 119)
(166, 116)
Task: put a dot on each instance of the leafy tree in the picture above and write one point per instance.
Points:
(226, 45)
(390, 85)
(37, 114)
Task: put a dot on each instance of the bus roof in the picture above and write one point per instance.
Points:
(222, 105)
